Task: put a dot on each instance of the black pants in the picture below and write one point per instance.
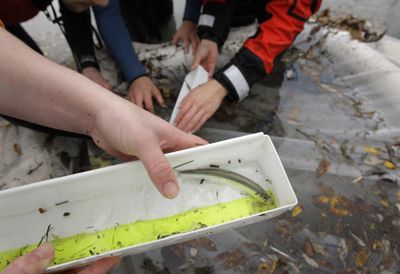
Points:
(145, 18)
(19, 32)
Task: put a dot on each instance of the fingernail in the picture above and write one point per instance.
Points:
(44, 251)
(171, 190)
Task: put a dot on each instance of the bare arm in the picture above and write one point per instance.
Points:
(35, 89)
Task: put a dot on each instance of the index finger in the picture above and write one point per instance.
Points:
(176, 39)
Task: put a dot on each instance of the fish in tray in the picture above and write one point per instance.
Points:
(229, 177)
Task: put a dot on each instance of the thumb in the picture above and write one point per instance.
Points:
(159, 169)
(197, 60)
(34, 262)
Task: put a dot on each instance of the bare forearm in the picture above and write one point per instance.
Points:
(35, 89)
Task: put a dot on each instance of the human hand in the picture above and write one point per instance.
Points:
(36, 262)
(187, 33)
(142, 91)
(124, 130)
(206, 55)
(94, 74)
(199, 105)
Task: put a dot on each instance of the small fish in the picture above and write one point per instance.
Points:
(232, 178)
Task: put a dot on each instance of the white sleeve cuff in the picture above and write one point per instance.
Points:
(238, 81)
(206, 20)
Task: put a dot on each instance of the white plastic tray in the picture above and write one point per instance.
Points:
(121, 194)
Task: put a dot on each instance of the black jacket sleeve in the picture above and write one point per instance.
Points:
(215, 20)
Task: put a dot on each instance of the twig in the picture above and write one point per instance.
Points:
(282, 253)
(46, 235)
(34, 169)
(183, 164)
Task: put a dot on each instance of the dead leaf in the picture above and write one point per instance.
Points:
(231, 259)
(362, 257)
(17, 149)
(339, 206)
(386, 246)
(372, 160)
(179, 250)
(193, 252)
(309, 248)
(282, 230)
(323, 168)
(326, 264)
(310, 261)
(372, 150)
(203, 242)
(384, 202)
(297, 211)
(320, 249)
(267, 268)
(294, 268)
(251, 245)
(369, 114)
(310, 54)
(389, 164)
(338, 228)
(343, 251)
(378, 246)
(99, 162)
(323, 199)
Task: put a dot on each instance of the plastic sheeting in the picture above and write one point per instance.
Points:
(334, 121)
(335, 125)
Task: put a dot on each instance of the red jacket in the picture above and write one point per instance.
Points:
(280, 22)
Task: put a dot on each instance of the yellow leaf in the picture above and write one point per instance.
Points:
(389, 164)
(339, 206)
(385, 203)
(372, 150)
(323, 199)
(98, 162)
(267, 268)
(362, 257)
(297, 211)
